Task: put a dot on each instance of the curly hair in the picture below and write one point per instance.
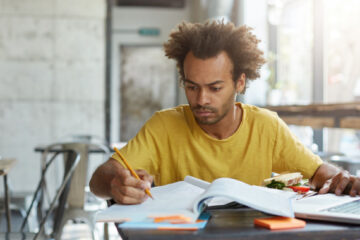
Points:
(212, 37)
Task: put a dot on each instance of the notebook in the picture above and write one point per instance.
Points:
(188, 198)
(329, 207)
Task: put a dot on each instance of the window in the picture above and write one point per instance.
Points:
(294, 57)
(342, 55)
(292, 52)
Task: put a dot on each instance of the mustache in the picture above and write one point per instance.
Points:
(204, 108)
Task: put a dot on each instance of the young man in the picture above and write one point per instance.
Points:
(214, 136)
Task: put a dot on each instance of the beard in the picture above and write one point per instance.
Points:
(216, 114)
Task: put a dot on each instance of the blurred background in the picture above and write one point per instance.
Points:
(97, 68)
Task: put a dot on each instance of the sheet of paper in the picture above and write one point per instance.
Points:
(263, 199)
(172, 199)
(197, 182)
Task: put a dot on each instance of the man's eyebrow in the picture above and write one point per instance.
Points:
(209, 84)
(189, 81)
(216, 82)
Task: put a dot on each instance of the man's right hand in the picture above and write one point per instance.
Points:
(112, 181)
(126, 189)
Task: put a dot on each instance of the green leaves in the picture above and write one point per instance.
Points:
(276, 184)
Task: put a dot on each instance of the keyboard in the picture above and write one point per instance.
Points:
(350, 207)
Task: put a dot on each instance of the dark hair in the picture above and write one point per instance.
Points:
(208, 39)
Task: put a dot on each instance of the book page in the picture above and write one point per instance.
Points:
(267, 200)
(172, 199)
(197, 182)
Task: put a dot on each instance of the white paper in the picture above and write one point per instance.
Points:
(187, 199)
(267, 200)
(172, 199)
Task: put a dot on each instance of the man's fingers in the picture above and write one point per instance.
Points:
(127, 189)
(326, 187)
(145, 176)
(128, 193)
(355, 189)
(132, 192)
(330, 184)
(344, 179)
(124, 199)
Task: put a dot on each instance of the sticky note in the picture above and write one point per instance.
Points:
(277, 223)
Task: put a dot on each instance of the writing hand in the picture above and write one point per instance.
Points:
(126, 189)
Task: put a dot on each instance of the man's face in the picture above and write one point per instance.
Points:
(209, 87)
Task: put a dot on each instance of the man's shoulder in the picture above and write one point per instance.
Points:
(170, 116)
(174, 112)
(254, 112)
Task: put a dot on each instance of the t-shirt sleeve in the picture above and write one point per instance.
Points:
(291, 155)
(142, 151)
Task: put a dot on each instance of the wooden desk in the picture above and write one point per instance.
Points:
(5, 166)
(238, 224)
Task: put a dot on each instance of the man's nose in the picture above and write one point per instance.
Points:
(203, 97)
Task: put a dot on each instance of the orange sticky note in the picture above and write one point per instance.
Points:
(277, 223)
(172, 219)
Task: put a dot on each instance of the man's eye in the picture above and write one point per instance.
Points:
(215, 89)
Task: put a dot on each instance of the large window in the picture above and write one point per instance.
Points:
(342, 55)
(291, 52)
(313, 51)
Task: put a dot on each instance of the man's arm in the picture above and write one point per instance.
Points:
(329, 178)
(112, 180)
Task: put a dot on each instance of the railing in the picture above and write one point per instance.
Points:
(341, 115)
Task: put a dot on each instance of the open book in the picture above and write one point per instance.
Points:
(189, 197)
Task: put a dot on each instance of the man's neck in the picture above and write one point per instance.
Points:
(226, 126)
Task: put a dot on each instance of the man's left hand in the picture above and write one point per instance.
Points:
(329, 178)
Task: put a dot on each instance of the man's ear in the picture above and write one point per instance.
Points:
(241, 83)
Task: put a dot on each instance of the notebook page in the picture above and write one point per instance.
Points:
(172, 199)
(263, 199)
(197, 182)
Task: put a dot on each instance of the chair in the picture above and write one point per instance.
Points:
(76, 207)
(55, 205)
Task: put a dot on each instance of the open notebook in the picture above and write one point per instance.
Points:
(189, 197)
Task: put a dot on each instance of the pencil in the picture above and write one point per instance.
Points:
(130, 169)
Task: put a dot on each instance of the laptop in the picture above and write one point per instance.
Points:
(329, 207)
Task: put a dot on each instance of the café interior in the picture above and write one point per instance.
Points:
(80, 77)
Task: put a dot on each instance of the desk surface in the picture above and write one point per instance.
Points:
(238, 224)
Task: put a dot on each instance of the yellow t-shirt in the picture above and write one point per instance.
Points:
(171, 145)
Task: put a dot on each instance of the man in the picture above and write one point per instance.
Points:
(214, 136)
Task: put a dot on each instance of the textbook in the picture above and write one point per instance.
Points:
(187, 199)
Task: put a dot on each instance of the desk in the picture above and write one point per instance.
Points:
(5, 166)
(238, 224)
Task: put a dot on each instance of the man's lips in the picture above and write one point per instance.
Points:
(203, 113)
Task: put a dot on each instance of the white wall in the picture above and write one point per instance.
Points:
(51, 77)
